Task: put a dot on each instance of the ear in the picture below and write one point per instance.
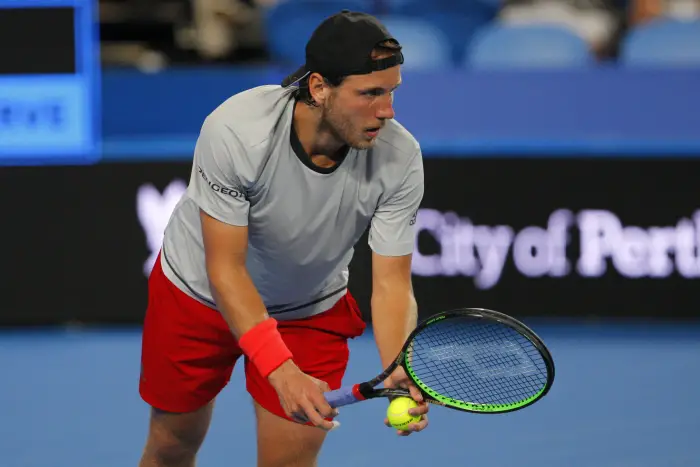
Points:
(318, 88)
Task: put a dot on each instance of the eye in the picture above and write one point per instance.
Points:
(373, 92)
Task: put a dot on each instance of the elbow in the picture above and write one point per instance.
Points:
(222, 275)
(394, 294)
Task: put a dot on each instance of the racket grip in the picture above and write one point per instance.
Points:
(343, 396)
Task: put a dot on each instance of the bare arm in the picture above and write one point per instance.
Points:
(394, 316)
(392, 239)
(226, 247)
(242, 307)
(394, 309)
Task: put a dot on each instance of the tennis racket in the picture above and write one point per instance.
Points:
(469, 359)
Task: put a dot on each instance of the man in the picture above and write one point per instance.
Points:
(255, 257)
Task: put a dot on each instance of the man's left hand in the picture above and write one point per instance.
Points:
(399, 379)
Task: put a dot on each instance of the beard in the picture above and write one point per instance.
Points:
(341, 128)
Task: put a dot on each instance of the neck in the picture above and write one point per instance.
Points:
(318, 141)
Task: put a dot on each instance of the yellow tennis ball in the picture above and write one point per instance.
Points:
(398, 415)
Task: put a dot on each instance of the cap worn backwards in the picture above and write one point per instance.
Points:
(342, 46)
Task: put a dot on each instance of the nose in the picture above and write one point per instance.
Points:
(385, 108)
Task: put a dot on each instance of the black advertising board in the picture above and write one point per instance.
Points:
(75, 248)
(601, 237)
(607, 238)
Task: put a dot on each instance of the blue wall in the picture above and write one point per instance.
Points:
(453, 113)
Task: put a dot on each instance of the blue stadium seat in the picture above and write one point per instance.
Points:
(499, 46)
(457, 19)
(289, 24)
(424, 7)
(425, 47)
(662, 42)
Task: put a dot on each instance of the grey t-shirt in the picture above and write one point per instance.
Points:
(303, 221)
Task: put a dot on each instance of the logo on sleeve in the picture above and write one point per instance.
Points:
(232, 192)
(413, 218)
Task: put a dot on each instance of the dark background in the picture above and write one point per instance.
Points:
(23, 51)
(74, 248)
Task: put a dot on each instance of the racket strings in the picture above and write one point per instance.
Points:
(478, 362)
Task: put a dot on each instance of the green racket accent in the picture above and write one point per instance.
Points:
(478, 360)
(470, 406)
(435, 319)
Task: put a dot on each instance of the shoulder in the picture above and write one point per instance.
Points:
(396, 153)
(397, 140)
(251, 117)
(395, 162)
(245, 126)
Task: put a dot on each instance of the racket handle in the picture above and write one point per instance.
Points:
(344, 396)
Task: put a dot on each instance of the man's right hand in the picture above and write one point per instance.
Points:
(301, 395)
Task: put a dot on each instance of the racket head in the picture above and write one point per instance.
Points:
(477, 360)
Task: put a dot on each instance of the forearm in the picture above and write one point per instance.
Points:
(394, 316)
(244, 311)
(237, 299)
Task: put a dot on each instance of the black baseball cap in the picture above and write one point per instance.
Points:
(342, 46)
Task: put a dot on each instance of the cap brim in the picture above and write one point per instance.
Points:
(294, 77)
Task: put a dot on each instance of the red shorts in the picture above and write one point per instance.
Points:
(188, 352)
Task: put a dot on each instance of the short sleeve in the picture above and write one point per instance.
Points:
(392, 229)
(215, 185)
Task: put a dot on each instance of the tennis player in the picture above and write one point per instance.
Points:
(255, 257)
